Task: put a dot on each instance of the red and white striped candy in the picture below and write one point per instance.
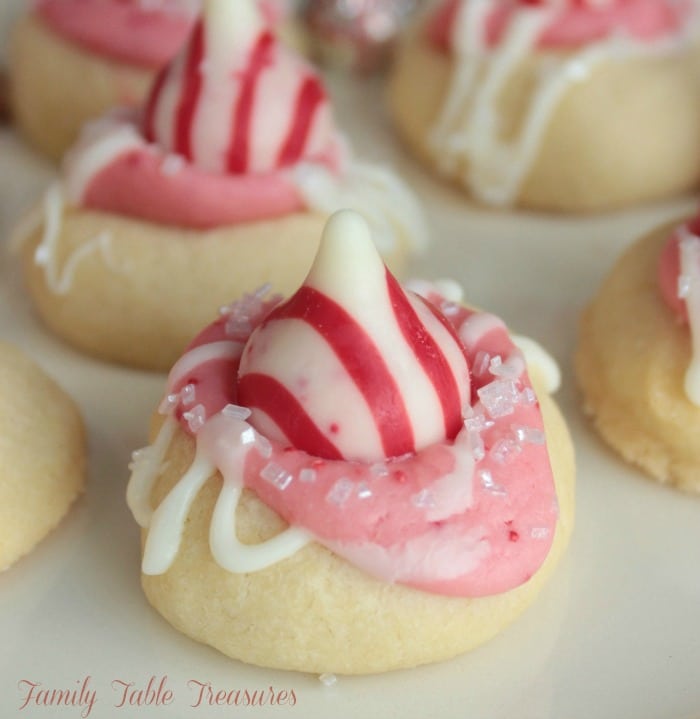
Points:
(235, 100)
(353, 367)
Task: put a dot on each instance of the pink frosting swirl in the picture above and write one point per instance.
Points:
(576, 22)
(130, 31)
(465, 514)
(146, 34)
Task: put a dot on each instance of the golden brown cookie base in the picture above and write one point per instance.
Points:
(626, 135)
(56, 86)
(42, 454)
(631, 361)
(142, 300)
(315, 612)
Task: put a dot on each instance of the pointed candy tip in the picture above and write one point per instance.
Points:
(347, 254)
(347, 229)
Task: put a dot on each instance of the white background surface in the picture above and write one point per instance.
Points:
(616, 633)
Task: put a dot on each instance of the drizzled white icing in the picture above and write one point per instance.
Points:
(166, 524)
(538, 358)
(689, 250)
(60, 279)
(467, 135)
(101, 142)
(374, 191)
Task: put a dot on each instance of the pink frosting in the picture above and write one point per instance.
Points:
(669, 269)
(123, 30)
(498, 533)
(576, 22)
(129, 30)
(136, 185)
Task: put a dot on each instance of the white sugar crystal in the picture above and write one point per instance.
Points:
(276, 475)
(505, 450)
(481, 363)
(379, 470)
(488, 483)
(499, 397)
(307, 475)
(188, 394)
(476, 445)
(528, 397)
(363, 491)
(328, 679)
(340, 492)
(233, 411)
(530, 435)
(539, 532)
(195, 418)
(247, 436)
(423, 500)
(477, 422)
(238, 326)
(511, 369)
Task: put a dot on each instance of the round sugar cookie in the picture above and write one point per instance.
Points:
(315, 612)
(56, 86)
(625, 133)
(42, 454)
(631, 361)
(139, 296)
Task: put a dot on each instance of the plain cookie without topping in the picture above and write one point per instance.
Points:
(42, 454)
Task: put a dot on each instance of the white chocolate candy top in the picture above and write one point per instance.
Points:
(352, 366)
(236, 100)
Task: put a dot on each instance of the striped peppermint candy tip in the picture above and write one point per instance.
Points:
(237, 101)
(352, 366)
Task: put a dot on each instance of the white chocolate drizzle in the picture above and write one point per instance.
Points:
(375, 192)
(168, 521)
(467, 137)
(146, 466)
(233, 556)
(689, 249)
(165, 525)
(537, 357)
(101, 143)
(59, 281)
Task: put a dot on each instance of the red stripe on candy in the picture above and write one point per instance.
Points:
(362, 360)
(311, 95)
(237, 155)
(429, 356)
(260, 391)
(149, 115)
(191, 90)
